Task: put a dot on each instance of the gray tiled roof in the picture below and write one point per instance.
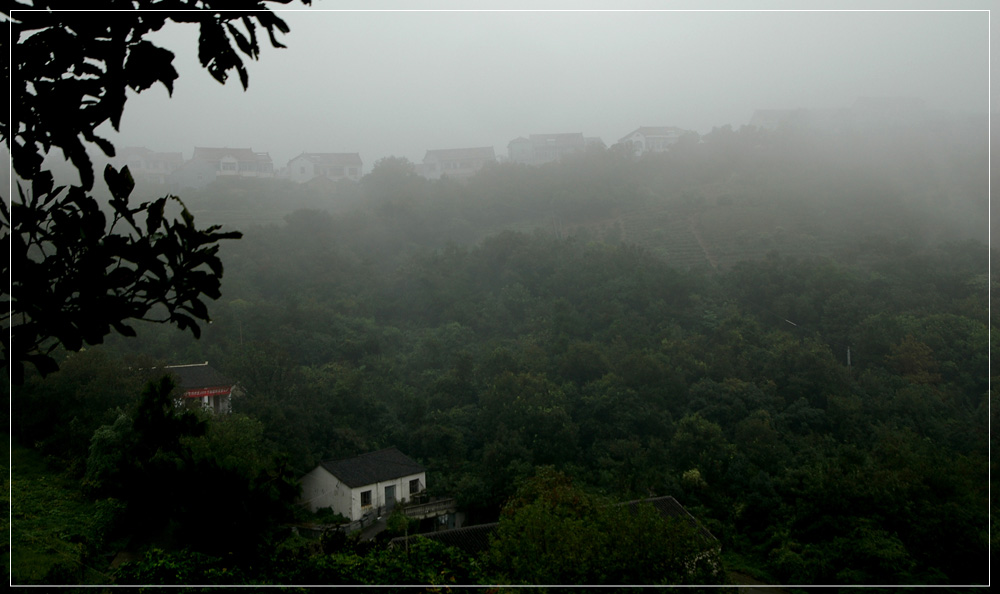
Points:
(655, 131)
(475, 539)
(198, 376)
(670, 508)
(564, 139)
(213, 154)
(333, 159)
(485, 153)
(372, 467)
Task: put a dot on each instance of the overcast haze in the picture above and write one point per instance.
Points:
(399, 83)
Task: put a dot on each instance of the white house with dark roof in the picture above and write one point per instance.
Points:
(537, 149)
(202, 382)
(333, 166)
(461, 162)
(369, 483)
(235, 162)
(652, 139)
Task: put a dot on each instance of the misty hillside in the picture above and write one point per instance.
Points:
(783, 329)
(729, 196)
(415, 312)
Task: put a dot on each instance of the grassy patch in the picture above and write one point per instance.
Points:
(53, 526)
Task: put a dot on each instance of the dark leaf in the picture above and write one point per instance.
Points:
(154, 216)
(42, 183)
(241, 41)
(149, 64)
(120, 183)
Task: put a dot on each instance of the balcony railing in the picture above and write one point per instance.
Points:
(430, 509)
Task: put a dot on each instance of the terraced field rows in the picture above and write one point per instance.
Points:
(666, 232)
(741, 232)
(728, 233)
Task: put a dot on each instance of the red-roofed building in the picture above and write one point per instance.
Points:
(202, 382)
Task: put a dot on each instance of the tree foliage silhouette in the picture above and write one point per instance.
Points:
(75, 276)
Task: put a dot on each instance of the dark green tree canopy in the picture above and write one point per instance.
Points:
(74, 275)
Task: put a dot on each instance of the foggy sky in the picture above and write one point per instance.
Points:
(400, 83)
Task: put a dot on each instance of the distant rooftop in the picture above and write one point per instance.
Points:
(333, 159)
(478, 153)
(202, 153)
(564, 139)
(198, 375)
(655, 131)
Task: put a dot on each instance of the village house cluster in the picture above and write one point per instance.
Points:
(208, 164)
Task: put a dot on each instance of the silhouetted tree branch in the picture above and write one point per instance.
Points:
(74, 275)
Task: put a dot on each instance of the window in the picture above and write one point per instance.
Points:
(366, 499)
(414, 486)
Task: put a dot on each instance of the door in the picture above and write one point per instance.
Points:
(390, 497)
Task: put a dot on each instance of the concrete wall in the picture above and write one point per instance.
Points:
(300, 170)
(322, 489)
(402, 486)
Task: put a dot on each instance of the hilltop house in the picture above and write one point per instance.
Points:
(456, 162)
(369, 483)
(235, 162)
(652, 139)
(544, 148)
(147, 166)
(202, 382)
(332, 166)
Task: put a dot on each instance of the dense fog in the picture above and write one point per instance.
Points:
(655, 297)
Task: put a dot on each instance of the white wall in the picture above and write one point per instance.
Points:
(402, 485)
(322, 489)
(295, 170)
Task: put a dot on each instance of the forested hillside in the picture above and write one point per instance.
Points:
(787, 332)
